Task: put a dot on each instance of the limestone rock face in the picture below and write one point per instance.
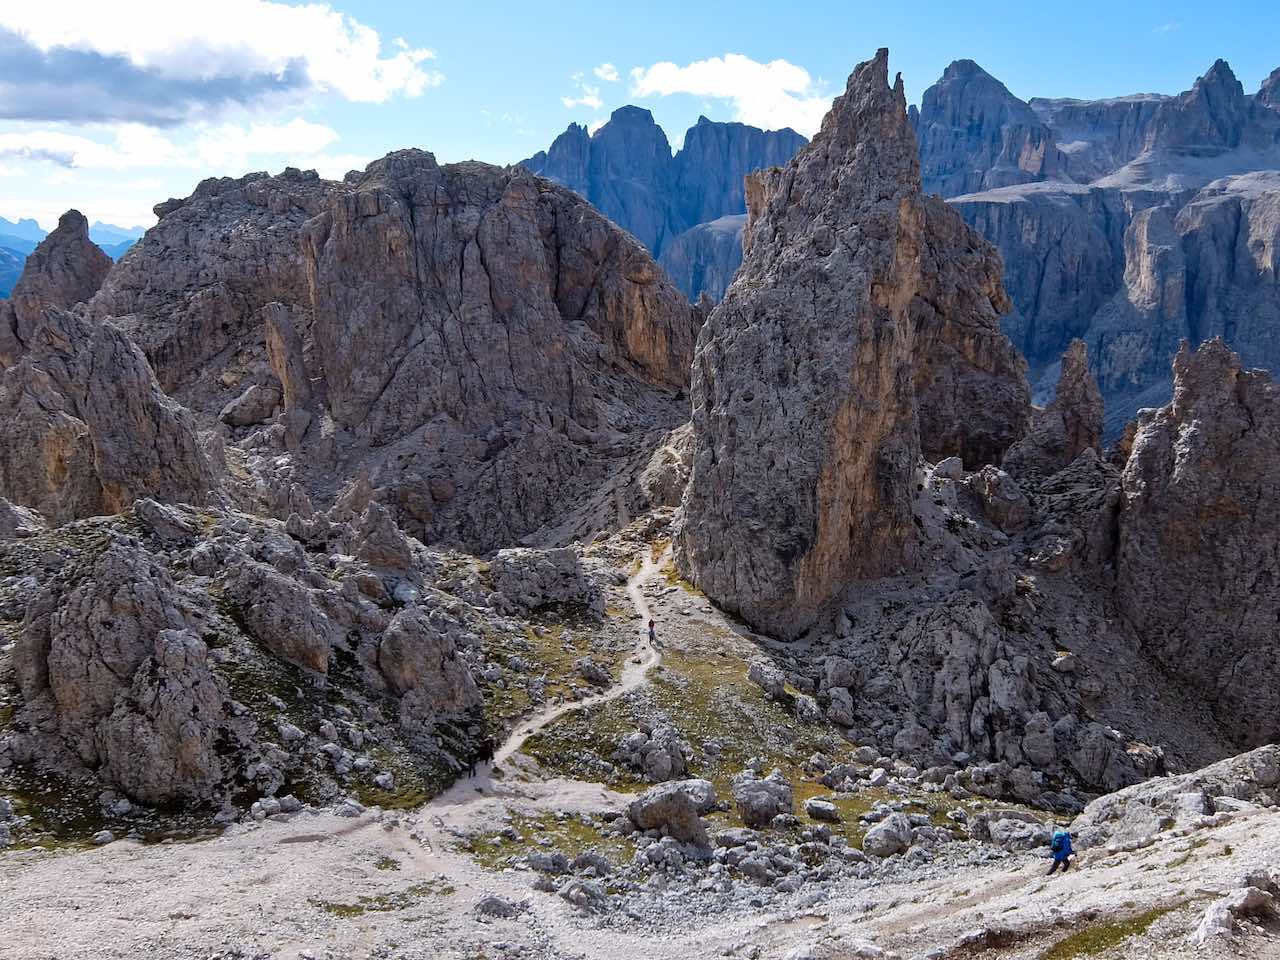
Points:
(704, 258)
(821, 377)
(65, 269)
(113, 668)
(1269, 93)
(684, 208)
(1069, 425)
(194, 285)
(1198, 559)
(1157, 224)
(85, 429)
(974, 135)
(491, 351)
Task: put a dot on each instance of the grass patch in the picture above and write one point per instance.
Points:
(1095, 940)
(543, 658)
(571, 836)
(386, 863)
(707, 697)
(385, 902)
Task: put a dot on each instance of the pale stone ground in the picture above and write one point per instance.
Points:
(276, 889)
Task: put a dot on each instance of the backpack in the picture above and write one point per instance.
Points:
(1059, 841)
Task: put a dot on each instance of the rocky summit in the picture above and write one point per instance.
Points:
(403, 567)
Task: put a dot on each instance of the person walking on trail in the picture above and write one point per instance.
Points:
(1060, 850)
(653, 634)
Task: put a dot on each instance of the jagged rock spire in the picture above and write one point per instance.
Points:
(821, 378)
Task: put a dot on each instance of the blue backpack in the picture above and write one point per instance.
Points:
(1060, 841)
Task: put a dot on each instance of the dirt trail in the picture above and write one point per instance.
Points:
(643, 658)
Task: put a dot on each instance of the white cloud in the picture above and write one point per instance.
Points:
(133, 147)
(229, 146)
(595, 125)
(247, 49)
(1167, 28)
(589, 96)
(607, 72)
(769, 95)
(225, 149)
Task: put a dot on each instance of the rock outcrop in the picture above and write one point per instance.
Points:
(1069, 425)
(1198, 561)
(66, 268)
(831, 366)
(85, 429)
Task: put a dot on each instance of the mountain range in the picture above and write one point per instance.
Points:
(1131, 222)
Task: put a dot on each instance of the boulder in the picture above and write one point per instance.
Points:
(892, 835)
(672, 809)
(759, 799)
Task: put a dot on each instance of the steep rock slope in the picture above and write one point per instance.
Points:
(489, 349)
(818, 381)
(1198, 565)
(627, 171)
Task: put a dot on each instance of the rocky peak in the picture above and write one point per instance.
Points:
(65, 269)
(1214, 115)
(818, 380)
(1269, 92)
(974, 134)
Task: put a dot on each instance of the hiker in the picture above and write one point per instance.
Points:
(653, 634)
(1060, 850)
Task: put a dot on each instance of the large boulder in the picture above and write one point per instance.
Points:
(529, 579)
(286, 618)
(889, 836)
(833, 364)
(421, 664)
(760, 799)
(672, 809)
(1198, 562)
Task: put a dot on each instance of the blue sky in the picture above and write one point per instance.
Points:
(114, 107)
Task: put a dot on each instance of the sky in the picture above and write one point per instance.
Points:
(114, 107)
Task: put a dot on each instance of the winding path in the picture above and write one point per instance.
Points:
(643, 658)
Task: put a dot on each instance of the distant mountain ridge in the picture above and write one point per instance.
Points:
(1131, 222)
(628, 171)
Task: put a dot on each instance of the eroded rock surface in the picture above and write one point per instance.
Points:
(1197, 564)
(831, 366)
(85, 429)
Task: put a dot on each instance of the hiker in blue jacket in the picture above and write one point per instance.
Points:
(1060, 850)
